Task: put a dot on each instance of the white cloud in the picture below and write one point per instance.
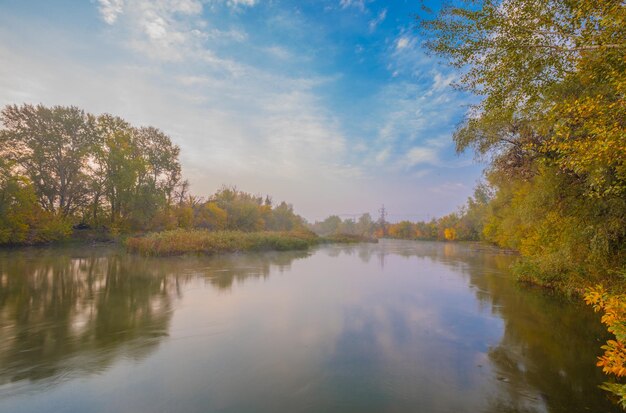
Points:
(110, 9)
(441, 81)
(378, 20)
(402, 42)
(358, 4)
(237, 3)
(168, 30)
(161, 29)
(421, 155)
(441, 141)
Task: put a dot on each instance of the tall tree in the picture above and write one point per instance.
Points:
(52, 147)
(161, 155)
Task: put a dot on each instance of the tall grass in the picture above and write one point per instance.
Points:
(178, 242)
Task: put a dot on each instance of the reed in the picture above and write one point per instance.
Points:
(179, 242)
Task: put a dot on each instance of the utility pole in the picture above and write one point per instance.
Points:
(382, 220)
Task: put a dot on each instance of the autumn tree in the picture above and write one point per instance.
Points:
(551, 77)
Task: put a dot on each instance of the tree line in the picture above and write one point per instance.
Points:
(550, 77)
(62, 168)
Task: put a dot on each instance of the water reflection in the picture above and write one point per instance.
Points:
(64, 313)
(539, 359)
(395, 326)
(224, 271)
(67, 312)
(548, 347)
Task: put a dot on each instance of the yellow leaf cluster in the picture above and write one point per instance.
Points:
(613, 361)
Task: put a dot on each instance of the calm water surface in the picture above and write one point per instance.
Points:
(395, 327)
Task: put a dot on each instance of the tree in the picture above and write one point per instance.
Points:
(52, 147)
(161, 155)
(210, 216)
(282, 218)
(329, 226)
(551, 75)
(22, 220)
(119, 165)
(243, 210)
(365, 225)
(403, 230)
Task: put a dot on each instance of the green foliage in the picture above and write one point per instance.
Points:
(329, 226)
(618, 389)
(567, 240)
(22, 220)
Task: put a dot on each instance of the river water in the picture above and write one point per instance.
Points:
(398, 326)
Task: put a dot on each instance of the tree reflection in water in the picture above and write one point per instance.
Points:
(544, 360)
(424, 325)
(69, 312)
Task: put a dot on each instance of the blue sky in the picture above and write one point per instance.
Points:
(331, 105)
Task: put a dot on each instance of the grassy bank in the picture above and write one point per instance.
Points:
(178, 242)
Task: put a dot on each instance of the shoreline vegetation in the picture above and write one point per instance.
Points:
(181, 242)
(550, 119)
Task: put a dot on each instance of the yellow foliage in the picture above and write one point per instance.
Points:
(211, 216)
(613, 361)
(450, 234)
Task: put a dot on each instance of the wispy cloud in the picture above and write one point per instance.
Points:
(373, 24)
(358, 4)
(420, 155)
(402, 42)
(237, 3)
(278, 52)
(110, 9)
(168, 30)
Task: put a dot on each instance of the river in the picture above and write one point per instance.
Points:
(398, 326)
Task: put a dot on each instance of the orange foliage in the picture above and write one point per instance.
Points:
(613, 361)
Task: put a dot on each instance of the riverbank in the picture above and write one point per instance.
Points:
(179, 242)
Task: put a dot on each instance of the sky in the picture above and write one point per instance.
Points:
(330, 105)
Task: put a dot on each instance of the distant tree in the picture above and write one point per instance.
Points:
(365, 225)
(328, 226)
(282, 218)
(243, 210)
(210, 216)
(403, 230)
